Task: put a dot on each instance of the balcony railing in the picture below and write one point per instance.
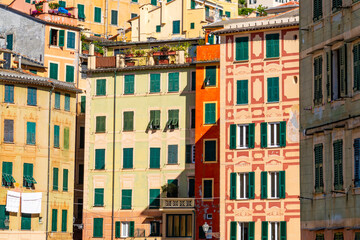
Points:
(176, 203)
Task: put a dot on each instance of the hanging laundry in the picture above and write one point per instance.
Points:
(12, 201)
(31, 203)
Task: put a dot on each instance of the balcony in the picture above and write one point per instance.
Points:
(177, 203)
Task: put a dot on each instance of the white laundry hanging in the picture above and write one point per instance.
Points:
(31, 203)
(12, 201)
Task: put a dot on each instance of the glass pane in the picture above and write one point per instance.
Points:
(272, 176)
(245, 231)
(277, 134)
(241, 136)
(247, 185)
(189, 226)
(241, 185)
(247, 136)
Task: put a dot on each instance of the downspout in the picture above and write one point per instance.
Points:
(106, 17)
(48, 170)
(113, 168)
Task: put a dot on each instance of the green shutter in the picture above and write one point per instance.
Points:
(9, 41)
(188, 153)
(97, 15)
(318, 81)
(66, 138)
(4, 215)
(233, 185)
(83, 104)
(251, 185)
(154, 2)
(99, 158)
(242, 48)
(228, 14)
(28, 175)
(233, 136)
(65, 180)
(319, 182)
(264, 231)
(70, 40)
(127, 158)
(282, 191)
(25, 221)
(114, 17)
(158, 27)
(210, 113)
(154, 83)
(154, 157)
(9, 94)
(283, 230)
(233, 230)
(317, 10)
(172, 154)
(252, 135)
(55, 179)
(283, 134)
(210, 150)
(100, 124)
(264, 178)
(129, 84)
(132, 229)
(343, 71)
(273, 89)
(263, 127)
(56, 136)
(67, 102)
(176, 27)
(61, 38)
(64, 221)
(192, 25)
(98, 228)
(54, 71)
(338, 165)
(272, 45)
(251, 231)
(192, 4)
(242, 92)
(126, 199)
(328, 75)
(210, 76)
(99, 197)
(54, 220)
(356, 65)
(69, 73)
(154, 195)
(128, 121)
(173, 82)
(62, 4)
(117, 229)
(57, 100)
(81, 11)
(101, 87)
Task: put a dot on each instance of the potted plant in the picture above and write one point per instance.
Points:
(139, 53)
(128, 53)
(130, 63)
(171, 190)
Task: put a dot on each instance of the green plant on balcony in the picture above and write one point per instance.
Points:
(139, 53)
(245, 11)
(261, 10)
(54, 5)
(171, 190)
(165, 48)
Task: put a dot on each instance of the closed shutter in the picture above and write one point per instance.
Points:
(61, 38)
(66, 138)
(283, 134)
(127, 158)
(319, 182)
(57, 100)
(242, 49)
(283, 230)
(251, 135)
(318, 80)
(128, 121)
(99, 158)
(9, 41)
(273, 89)
(83, 104)
(193, 4)
(356, 57)
(338, 165)
(210, 76)
(154, 2)
(56, 136)
(4, 215)
(263, 127)
(357, 162)
(210, 113)
(81, 11)
(99, 197)
(117, 229)
(233, 136)
(70, 40)
(55, 179)
(25, 221)
(251, 185)
(328, 75)
(172, 154)
(317, 10)
(98, 227)
(158, 27)
(100, 124)
(101, 87)
(272, 45)
(264, 178)
(64, 221)
(8, 131)
(54, 71)
(67, 102)
(174, 82)
(233, 230)
(129, 84)
(132, 229)
(242, 92)
(154, 157)
(193, 81)
(264, 231)
(282, 191)
(227, 14)
(62, 4)
(54, 220)
(211, 39)
(28, 175)
(343, 72)
(126, 199)
(69, 73)
(176, 27)
(65, 180)
(188, 153)
(32, 96)
(233, 185)
(114, 17)
(251, 231)
(97, 15)
(210, 151)
(154, 83)
(154, 198)
(9, 94)
(31, 133)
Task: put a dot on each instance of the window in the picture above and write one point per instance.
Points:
(82, 137)
(128, 158)
(193, 80)
(62, 4)
(318, 80)
(126, 199)
(357, 162)
(273, 89)
(127, 229)
(53, 73)
(273, 184)
(272, 45)
(98, 228)
(221, 13)
(129, 84)
(320, 236)
(7, 178)
(66, 138)
(242, 185)
(210, 38)
(154, 229)
(356, 57)
(4, 215)
(57, 37)
(25, 221)
(242, 49)
(179, 225)
(57, 100)
(97, 15)
(337, 73)
(64, 221)
(154, 83)
(317, 10)
(55, 179)
(81, 12)
(192, 120)
(32, 96)
(191, 187)
(357, 236)
(9, 41)
(128, 121)
(100, 159)
(242, 92)
(173, 82)
(114, 17)
(154, 2)
(227, 14)
(54, 220)
(155, 158)
(192, 4)
(133, 15)
(154, 122)
(273, 230)
(67, 102)
(69, 73)
(56, 136)
(242, 136)
(154, 195)
(210, 113)
(173, 154)
(101, 87)
(70, 40)
(8, 131)
(28, 179)
(83, 104)
(242, 230)
(172, 188)
(319, 181)
(100, 124)
(338, 165)
(208, 188)
(176, 27)
(158, 28)
(210, 76)
(207, 11)
(9, 94)
(173, 119)
(273, 134)
(81, 173)
(336, 5)
(99, 197)
(210, 153)
(65, 179)
(31, 133)
(190, 153)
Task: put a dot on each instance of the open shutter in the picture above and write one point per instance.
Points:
(283, 230)
(282, 134)
(55, 179)
(251, 185)
(251, 135)
(343, 80)
(81, 11)
(357, 162)
(263, 127)
(233, 230)
(64, 221)
(54, 220)
(233, 136)
(61, 38)
(117, 230)
(65, 180)
(264, 178)
(251, 231)
(233, 186)
(132, 229)
(338, 168)
(328, 75)
(264, 231)
(282, 192)
(66, 138)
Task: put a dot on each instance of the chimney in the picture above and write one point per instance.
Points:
(19, 67)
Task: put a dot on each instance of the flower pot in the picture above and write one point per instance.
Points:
(158, 54)
(130, 64)
(163, 61)
(129, 55)
(171, 53)
(188, 59)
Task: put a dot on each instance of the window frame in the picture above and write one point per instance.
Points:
(243, 188)
(276, 134)
(276, 184)
(216, 150)
(203, 189)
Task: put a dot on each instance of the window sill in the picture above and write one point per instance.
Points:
(207, 199)
(8, 102)
(271, 58)
(241, 61)
(242, 104)
(99, 206)
(242, 148)
(99, 169)
(128, 169)
(100, 132)
(173, 164)
(205, 162)
(8, 142)
(274, 146)
(272, 102)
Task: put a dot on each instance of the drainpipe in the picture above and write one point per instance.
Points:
(48, 170)
(106, 17)
(113, 169)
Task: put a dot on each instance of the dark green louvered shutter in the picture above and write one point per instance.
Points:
(263, 127)
(317, 10)
(99, 158)
(318, 80)
(272, 45)
(117, 229)
(54, 220)
(342, 73)
(9, 41)
(114, 17)
(128, 121)
(328, 75)
(97, 15)
(233, 230)
(54, 71)
(188, 153)
(210, 113)
(25, 221)
(319, 182)
(264, 178)
(132, 229)
(233, 136)
(172, 154)
(129, 84)
(251, 231)
(66, 138)
(357, 162)
(154, 198)
(173, 82)
(283, 230)
(4, 215)
(83, 104)
(242, 48)
(273, 89)
(69, 73)
(264, 230)
(193, 4)
(81, 11)
(101, 87)
(251, 185)
(210, 75)
(62, 4)
(154, 83)
(100, 124)
(338, 165)
(176, 27)
(32, 96)
(154, 157)
(242, 92)
(251, 135)
(282, 191)
(126, 199)
(98, 228)
(67, 102)
(99, 197)
(55, 179)
(356, 69)
(210, 150)
(9, 94)
(127, 158)
(57, 100)
(64, 221)
(233, 186)
(283, 134)
(154, 2)
(61, 38)
(65, 180)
